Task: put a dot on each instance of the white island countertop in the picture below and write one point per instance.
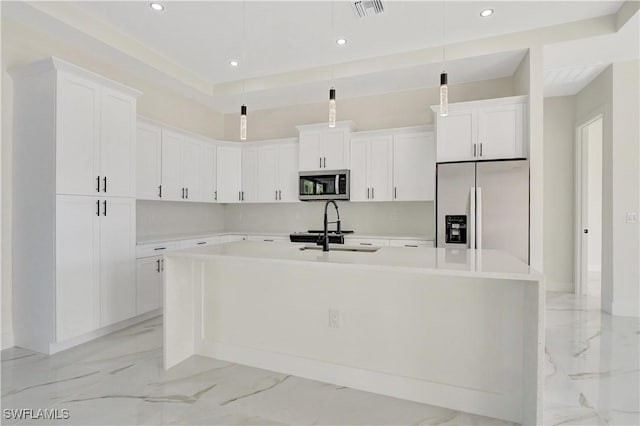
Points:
(436, 261)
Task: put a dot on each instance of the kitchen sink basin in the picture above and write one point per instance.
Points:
(343, 248)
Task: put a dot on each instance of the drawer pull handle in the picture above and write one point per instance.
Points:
(366, 244)
(410, 245)
(202, 242)
(160, 248)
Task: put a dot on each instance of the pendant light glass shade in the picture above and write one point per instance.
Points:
(332, 107)
(444, 95)
(243, 123)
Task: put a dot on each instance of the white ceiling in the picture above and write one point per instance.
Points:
(282, 36)
(287, 53)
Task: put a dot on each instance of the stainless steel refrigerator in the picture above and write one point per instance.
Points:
(484, 205)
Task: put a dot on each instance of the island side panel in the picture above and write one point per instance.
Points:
(450, 341)
(534, 346)
(182, 276)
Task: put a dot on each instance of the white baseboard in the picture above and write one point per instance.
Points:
(625, 308)
(60, 346)
(501, 406)
(7, 340)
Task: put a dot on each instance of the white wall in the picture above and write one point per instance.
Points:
(594, 196)
(388, 110)
(156, 218)
(397, 218)
(558, 192)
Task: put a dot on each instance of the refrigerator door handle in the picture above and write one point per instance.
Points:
(472, 218)
(479, 217)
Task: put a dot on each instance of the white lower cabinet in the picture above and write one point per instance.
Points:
(150, 274)
(95, 261)
(411, 243)
(375, 242)
(231, 238)
(268, 238)
(198, 242)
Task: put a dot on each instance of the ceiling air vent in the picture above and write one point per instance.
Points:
(365, 8)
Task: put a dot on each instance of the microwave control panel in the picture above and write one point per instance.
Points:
(455, 229)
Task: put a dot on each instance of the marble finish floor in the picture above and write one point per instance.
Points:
(592, 377)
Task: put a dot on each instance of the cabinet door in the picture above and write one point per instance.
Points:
(171, 166)
(288, 172)
(380, 167)
(77, 135)
(334, 150)
(148, 162)
(359, 187)
(414, 167)
(249, 175)
(310, 151)
(500, 132)
(208, 189)
(267, 174)
(117, 144)
(191, 178)
(228, 174)
(117, 259)
(149, 284)
(456, 136)
(77, 282)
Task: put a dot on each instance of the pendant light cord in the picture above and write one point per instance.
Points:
(333, 35)
(244, 42)
(443, 33)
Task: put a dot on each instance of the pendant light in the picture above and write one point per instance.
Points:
(332, 91)
(243, 108)
(444, 89)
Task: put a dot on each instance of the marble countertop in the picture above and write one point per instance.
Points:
(152, 239)
(483, 263)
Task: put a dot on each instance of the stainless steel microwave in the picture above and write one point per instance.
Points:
(324, 185)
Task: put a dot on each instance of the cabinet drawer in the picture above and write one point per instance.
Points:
(148, 250)
(366, 242)
(197, 242)
(411, 243)
(233, 237)
(268, 238)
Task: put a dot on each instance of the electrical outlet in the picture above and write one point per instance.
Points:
(632, 217)
(334, 318)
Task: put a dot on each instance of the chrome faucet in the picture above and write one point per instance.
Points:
(324, 241)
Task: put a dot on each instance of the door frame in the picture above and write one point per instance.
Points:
(581, 272)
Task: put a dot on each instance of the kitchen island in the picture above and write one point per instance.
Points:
(461, 329)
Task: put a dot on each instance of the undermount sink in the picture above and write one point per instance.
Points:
(343, 248)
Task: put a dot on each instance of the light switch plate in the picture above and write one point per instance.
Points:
(632, 217)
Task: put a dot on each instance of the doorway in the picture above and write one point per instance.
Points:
(588, 248)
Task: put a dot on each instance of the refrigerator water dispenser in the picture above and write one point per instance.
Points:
(456, 229)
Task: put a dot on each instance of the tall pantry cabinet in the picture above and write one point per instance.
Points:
(73, 205)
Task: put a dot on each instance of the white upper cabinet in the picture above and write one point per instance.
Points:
(482, 130)
(77, 117)
(117, 144)
(267, 174)
(148, 162)
(371, 168)
(249, 191)
(287, 172)
(325, 148)
(414, 167)
(208, 184)
(172, 188)
(270, 171)
(229, 173)
(191, 158)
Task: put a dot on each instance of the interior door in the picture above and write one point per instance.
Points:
(171, 166)
(77, 135)
(456, 199)
(148, 162)
(117, 259)
(500, 133)
(332, 150)
(191, 177)
(228, 174)
(209, 190)
(359, 189)
(267, 174)
(503, 207)
(117, 144)
(288, 172)
(381, 168)
(77, 281)
(149, 272)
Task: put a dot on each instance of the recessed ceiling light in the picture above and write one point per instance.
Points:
(486, 12)
(341, 41)
(156, 6)
(233, 63)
